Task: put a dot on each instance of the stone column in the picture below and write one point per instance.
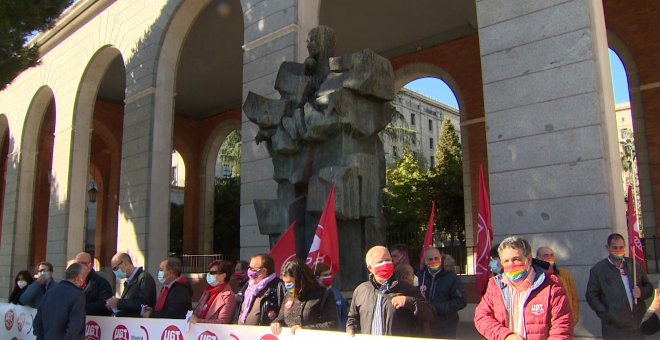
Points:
(274, 32)
(555, 173)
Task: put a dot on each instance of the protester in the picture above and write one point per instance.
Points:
(494, 264)
(61, 315)
(21, 282)
(323, 274)
(651, 320)
(523, 302)
(383, 305)
(218, 302)
(97, 289)
(139, 287)
(400, 254)
(404, 272)
(239, 279)
(448, 263)
(546, 254)
(35, 292)
(175, 298)
(263, 295)
(444, 291)
(613, 295)
(307, 304)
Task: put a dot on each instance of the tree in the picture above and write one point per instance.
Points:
(226, 221)
(447, 179)
(230, 152)
(20, 19)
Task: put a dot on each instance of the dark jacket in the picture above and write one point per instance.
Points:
(402, 322)
(178, 301)
(607, 296)
(97, 291)
(16, 294)
(651, 325)
(35, 293)
(446, 294)
(342, 308)
(61, 315)
(315, 310)
(271, 301)
(141, 290)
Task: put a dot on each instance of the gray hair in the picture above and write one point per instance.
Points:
(516, 242)
(74, 271)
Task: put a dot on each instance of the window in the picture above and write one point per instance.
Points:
(430, 125)
(412, 119)
(430, 143)
(174, 176)
(432, 161)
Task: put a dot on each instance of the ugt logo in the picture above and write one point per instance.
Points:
(172, 333)
(9, 319)
(92, 331)
(207, 335)
(120, 333)
(537, 309)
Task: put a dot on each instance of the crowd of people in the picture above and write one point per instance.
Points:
(526, 298)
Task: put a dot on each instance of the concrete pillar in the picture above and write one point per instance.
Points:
(274, 32)
(555, 173)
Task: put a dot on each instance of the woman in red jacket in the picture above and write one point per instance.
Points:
(523, 302)
(218, 302)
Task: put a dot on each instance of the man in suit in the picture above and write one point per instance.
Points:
(175, 298)
(62, 311)
(36, 290)
(97, 289)
(139, 287)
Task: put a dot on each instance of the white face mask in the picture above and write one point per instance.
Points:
(21, 283)
(415, 281)
(161, 276)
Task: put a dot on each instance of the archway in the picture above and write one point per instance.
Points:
(4, 155)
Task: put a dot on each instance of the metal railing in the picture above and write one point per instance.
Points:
(198, 263)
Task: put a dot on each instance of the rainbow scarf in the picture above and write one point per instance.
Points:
(618, 255)
(433, 266)
(516, 272)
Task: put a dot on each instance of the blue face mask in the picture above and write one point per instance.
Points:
(120, 274)
(289, 286)
(494, 266)
(211, 280)
(161, 276)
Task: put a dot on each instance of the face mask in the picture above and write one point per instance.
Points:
(384, 270)
(120, 274)
(290, 287)
(618, 256)
(46, 275)
(238, 276)
(433, 266)
(252, 274)
(326, 280)
(211, 280)
(415, 281)
(494, 265)
(161, 276)
(516, 273)
(21, 284)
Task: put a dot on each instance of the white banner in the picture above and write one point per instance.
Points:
(18, 325)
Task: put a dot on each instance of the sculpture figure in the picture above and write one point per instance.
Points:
(323, 131)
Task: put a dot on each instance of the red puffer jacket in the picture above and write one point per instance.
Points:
(547, 310)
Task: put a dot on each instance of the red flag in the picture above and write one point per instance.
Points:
(285, 248)
(325, 247)
(484, 235)
(634, 241)
(428, 237)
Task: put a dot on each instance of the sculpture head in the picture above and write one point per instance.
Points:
(321, 42)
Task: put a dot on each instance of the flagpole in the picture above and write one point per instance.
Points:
(634, 190)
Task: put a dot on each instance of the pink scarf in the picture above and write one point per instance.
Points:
(251, 292)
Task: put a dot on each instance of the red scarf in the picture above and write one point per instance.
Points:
(212, 293)
(160, 303)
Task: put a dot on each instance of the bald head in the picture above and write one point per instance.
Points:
(85, 259)
(542, 251)
(123, 262)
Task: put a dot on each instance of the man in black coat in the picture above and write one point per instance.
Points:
(139, 287)
(97, 289)
(175, 298)
(62, 311)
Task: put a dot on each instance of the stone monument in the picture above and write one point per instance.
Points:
(324, 131)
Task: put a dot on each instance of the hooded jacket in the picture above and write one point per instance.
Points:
(547, 312)
(445, 293)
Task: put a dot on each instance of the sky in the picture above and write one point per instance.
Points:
(437, 89)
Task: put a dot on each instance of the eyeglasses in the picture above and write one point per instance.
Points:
(115, 268)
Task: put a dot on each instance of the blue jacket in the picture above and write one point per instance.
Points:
(62, 313)
(34, 293)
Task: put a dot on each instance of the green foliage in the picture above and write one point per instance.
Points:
(409, 191)
(628, 150)
(226, 219)
(398, 131)
(18, 20)
(230, 152)
(176, 228)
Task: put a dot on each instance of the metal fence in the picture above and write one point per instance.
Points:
(199, 263)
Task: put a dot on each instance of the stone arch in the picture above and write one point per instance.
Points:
(639, 123)
(207, 181)
(412, 71)
(83, 122)
(43, 100)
